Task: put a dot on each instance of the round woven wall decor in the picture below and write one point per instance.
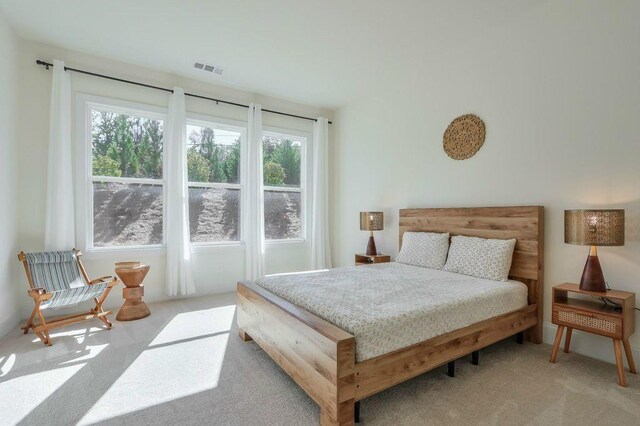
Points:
(464, 137)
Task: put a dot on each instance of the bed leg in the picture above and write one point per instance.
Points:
(451, 369)
(520, 338)
(534, 334)
(475, 356)
(356, 412)
(243, 335)
(345, 416)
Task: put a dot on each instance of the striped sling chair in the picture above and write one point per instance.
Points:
(58, 279)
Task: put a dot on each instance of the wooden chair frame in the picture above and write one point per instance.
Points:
(320, 357)
(39, 295)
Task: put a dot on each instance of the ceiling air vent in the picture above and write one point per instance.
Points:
(208, 68)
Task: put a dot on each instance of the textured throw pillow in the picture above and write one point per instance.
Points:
(425, 249)
(480, 257)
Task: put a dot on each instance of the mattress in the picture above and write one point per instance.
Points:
(390, 306)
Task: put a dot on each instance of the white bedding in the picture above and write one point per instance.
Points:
(391, 306)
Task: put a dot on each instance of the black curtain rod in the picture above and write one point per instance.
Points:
(164, 89)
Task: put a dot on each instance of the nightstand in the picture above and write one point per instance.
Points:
(593, 316)
(364, 259)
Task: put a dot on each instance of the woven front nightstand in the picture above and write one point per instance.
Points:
(615, 320)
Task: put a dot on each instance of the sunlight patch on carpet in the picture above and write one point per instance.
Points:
(6, 364)
(163, 374)
(25, 393)
(90, 351)
(189, 325)
(79, 334)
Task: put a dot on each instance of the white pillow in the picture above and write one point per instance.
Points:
(480, 257)
(425, 249)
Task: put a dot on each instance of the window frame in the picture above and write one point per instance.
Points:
(235, 126)
(85, 179)
(305, 168)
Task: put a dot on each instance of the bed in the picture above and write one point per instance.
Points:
(390, 306)
(340, 354)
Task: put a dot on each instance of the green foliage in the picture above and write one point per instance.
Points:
(232, 163)
(216, 168)
(288, 156)
(206, 140)
(102, 131)
(122, 148)
(133, 143)
(131, 146)
(268, 146)
(150, 151)
(274, 174)
(223, 160)
(197, 166)
(106, 166)
(285, 153)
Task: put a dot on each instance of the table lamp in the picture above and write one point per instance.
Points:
(371, 221)
(594, 228)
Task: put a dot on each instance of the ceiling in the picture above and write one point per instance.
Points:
(324, 53)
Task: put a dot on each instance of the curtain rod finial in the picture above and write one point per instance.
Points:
(39, 62)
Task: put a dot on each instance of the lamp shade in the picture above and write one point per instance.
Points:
(371, 221)
(594, 227)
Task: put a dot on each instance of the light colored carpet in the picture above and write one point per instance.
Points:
(186, 365)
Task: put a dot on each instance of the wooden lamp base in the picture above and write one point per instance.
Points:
(371, 246)
(592, 276)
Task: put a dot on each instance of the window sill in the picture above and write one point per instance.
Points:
(301, 241)
(123, 252)
(235, 245)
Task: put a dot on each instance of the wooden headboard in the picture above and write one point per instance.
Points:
(524, 223)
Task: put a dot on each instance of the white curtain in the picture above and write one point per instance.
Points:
(254, 196)
(320, 249)
(179, 275)
(60, 224)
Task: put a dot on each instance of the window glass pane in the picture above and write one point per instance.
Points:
(126, 145)
(126, 214)
(214, 214)
(282, 215)
(281, 156)
(213, 155)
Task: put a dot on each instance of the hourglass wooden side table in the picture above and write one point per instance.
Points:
(132, 274)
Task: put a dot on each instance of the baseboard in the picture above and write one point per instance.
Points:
(587, 344)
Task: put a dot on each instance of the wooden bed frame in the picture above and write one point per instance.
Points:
(320, 357)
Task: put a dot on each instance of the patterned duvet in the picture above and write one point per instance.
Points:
(391, 306)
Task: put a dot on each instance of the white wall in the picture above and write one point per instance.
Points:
(216, 269)
(9, 139)
(559, 92)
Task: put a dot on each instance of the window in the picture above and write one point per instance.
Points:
(215, 184)
(121, 181)
(126, 177)
(283, 162)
